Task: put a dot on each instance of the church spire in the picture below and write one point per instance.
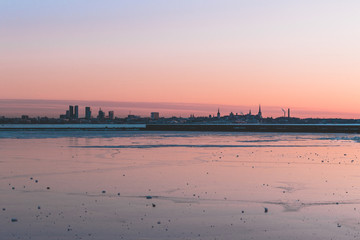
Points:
(260, 113)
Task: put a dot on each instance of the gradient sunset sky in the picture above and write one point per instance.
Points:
(298, 54)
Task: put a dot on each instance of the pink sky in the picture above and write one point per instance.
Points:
(282, 54)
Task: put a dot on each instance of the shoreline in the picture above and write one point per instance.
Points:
(296, 128)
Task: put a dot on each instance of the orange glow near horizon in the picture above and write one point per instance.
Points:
(245, 54)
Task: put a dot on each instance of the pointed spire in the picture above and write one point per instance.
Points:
(260, 113)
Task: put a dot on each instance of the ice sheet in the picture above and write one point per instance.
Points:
(76, 185)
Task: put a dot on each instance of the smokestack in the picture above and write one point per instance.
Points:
(283, 112)
(288, 112)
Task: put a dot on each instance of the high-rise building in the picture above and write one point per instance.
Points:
(218, 113)
(111, 115)
(288, 112)
(101, 114)
(71, 111)
(88, 113)
(154, 116)
(76, 114)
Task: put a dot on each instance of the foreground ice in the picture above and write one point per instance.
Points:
(162, 185)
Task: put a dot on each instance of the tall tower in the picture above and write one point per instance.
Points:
(288, 112)
(71, 112)
(111, 115)
(260, 113)
(218, 113)
(87, 112)
(76, 114)
(101, 114)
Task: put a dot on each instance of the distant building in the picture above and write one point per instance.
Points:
(218, 113)
(101, 114)
(71, 111)
(132, 117)
(76, 114)
(288, 112)
(111, 115)
(260, 113)
(67, 114)
(88, 113)
(155, 116)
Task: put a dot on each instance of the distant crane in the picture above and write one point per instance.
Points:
(284, 112)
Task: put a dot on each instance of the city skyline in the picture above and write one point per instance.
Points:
(299, 54)
(54, 108)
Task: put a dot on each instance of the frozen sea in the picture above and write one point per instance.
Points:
(178, 185)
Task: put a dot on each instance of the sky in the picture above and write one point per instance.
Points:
(303, 55)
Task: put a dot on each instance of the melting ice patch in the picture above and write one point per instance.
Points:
(341, 138)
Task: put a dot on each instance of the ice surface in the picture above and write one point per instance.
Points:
(104, 185)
